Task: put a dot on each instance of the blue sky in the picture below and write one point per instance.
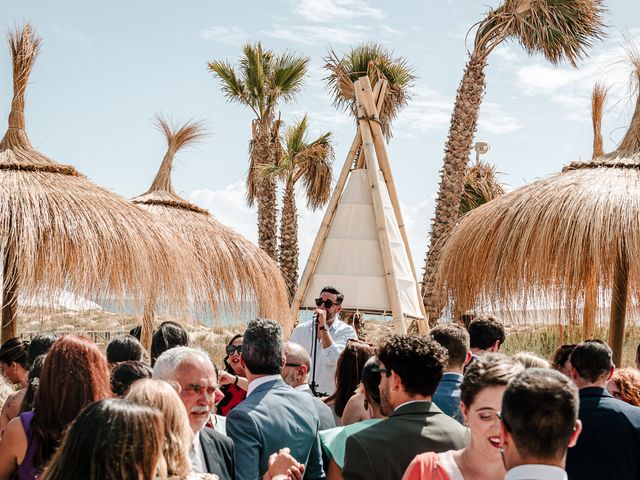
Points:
(106, 68)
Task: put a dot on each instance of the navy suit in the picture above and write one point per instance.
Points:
(274, 416)
(609, 445)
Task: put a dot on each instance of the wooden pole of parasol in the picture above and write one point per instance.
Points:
(9, 295)
(148, 316)
(378, 208)
(589, 313)
(323, 231)
(619, 296)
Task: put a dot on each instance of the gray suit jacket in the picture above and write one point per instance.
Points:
(383, 451)
(272, 417)
(327, 420)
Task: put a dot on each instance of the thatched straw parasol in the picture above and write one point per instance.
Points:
(556, 238)
(241, 275)
(58, 230)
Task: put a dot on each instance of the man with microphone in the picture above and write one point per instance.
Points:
(331, 335)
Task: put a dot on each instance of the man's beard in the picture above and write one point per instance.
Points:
(385, 407)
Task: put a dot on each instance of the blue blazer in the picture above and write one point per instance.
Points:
(272, 417)
(609, 445)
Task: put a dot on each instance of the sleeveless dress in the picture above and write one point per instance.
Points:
(26, 470)
(433, 466)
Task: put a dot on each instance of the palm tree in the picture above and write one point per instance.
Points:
(310, 162)
(559, 31)
(376, 62)
(261, 80)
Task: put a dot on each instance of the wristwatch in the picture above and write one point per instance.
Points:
(236, 380)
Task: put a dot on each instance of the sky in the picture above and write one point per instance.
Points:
(106, 68)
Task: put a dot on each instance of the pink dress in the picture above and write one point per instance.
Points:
(433, 466)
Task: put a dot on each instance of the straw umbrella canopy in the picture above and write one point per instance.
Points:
(239, 273)
(58, 230)
(555, 239)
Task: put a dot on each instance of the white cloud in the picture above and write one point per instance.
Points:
(225, 34)
(430, 110)
(319, 34)
(336, 10)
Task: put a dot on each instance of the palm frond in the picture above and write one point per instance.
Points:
(232, 86)
(481, 185)
(287, 75)
(376, 62)
(558, 29)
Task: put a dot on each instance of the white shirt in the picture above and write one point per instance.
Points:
(196, 455)
(261, 380)
(536, 472)
(326, 358)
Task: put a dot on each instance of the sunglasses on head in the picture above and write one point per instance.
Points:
(327, 303)
(232, 348)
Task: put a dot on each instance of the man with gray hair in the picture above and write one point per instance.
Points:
(295, 373)
(211, 452)
(274, 415)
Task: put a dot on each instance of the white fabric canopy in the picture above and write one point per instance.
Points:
(351, 258)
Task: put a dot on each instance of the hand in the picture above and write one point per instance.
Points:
(283, 466)
(225, 378)
(322, 317)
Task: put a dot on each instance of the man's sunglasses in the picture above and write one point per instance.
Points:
(232, 348)
(327, 303)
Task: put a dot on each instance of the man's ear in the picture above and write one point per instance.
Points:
(577, 429)
(304, 369)
(505, 436)
(244, 365)
(496, 346)
(396, 382)
(611, 370)
(574, 372)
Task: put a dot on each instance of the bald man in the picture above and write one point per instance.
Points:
(296, 374)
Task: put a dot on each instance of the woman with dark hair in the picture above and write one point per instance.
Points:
(41, 344)
(34, 380)
(334, 440)
(348, 375)
(168, 335)
(126, 373)
(14, 365)
(111, 439)
(75, 374)
(232, 380)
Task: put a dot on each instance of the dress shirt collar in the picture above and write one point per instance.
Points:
(303, 388)
(334, 326)
(452, 377)
(536, 472)
(196, 455)
(408, 403)
(261, 381)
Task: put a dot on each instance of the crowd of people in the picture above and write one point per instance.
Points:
(445, 406)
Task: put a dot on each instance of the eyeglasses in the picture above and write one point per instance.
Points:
(292, 364)
(385, 371)
(234, 348)
(327, 303)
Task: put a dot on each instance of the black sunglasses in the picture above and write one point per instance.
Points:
(231, 349)
(292, 364)
(327, 303)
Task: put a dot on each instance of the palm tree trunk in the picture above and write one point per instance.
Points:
(262, 152)
(457, 150)
(288, 254)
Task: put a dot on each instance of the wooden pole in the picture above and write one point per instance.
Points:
(619, 295)
(9, 295)
(589, 313)
(148, 317)
(383, 159)
(323, 231)
(378, 209)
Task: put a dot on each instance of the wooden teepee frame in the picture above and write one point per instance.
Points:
(369, 150)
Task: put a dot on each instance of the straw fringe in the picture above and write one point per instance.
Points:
(238, 273)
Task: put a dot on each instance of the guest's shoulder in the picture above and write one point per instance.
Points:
(216, 437)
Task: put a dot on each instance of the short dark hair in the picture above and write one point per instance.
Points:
(490, 370)
(136, 331)
(168, 335)
(561, 355)
(124, 374)
(418, 361)
(592, 359)
(455, 339)
(371, 379)
(41, 344)
(539, 409)
(123, 348)
(263, 347)
(485, 330)
(15, 350)
(333, 291)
